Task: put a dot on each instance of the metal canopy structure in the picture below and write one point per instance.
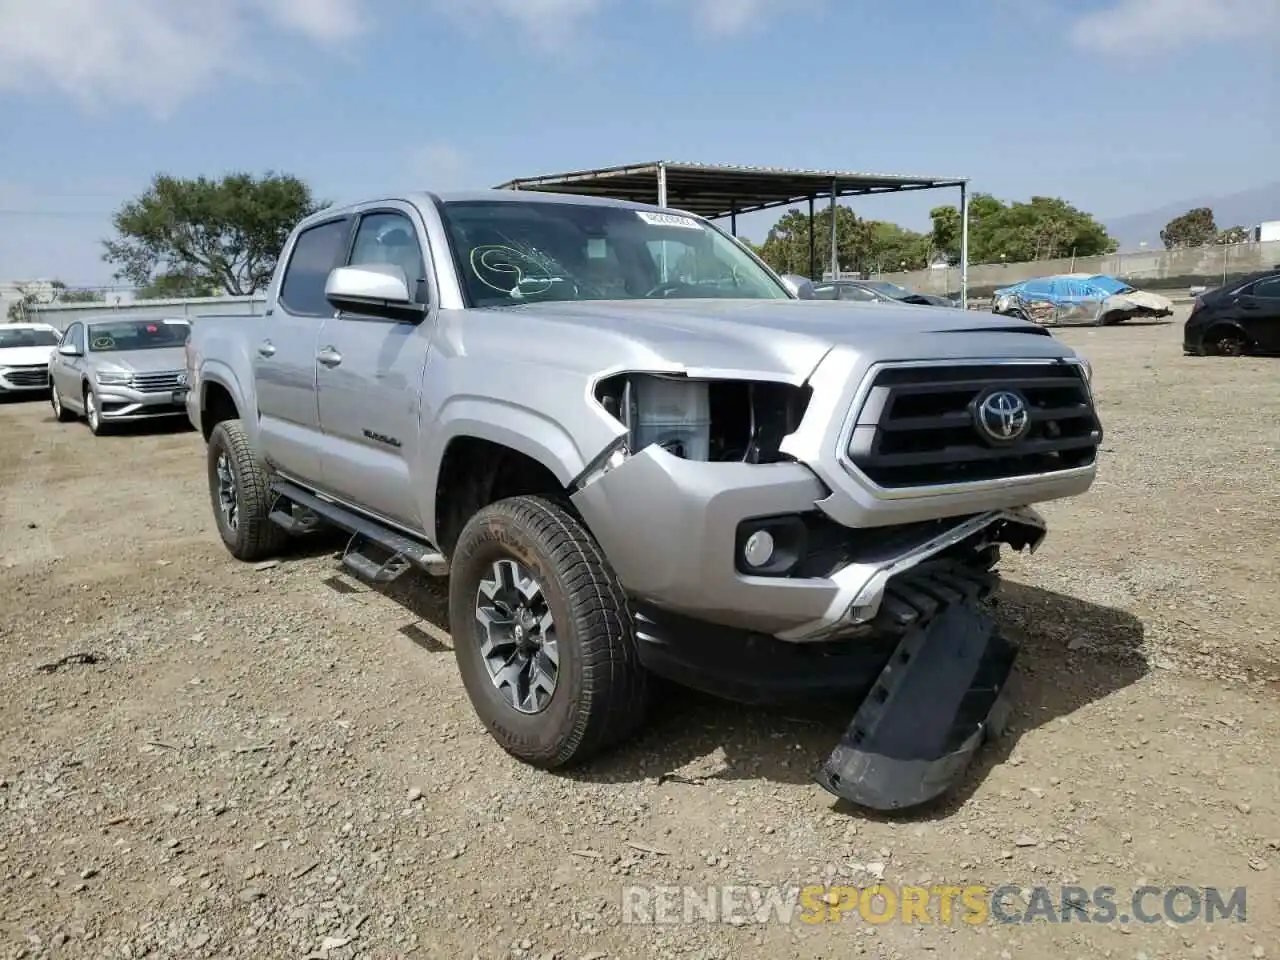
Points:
(716, 191)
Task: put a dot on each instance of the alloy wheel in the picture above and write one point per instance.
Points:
(519, 645)
(228, 496)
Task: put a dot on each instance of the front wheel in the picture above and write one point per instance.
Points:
(93, 412)
(543, 635)
(241, 495)
(60, 413)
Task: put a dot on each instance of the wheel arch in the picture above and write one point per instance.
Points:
(476, 470)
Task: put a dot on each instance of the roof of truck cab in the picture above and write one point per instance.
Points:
(426, 199)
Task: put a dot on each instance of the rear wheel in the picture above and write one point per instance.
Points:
(543, 635)
(241, 495)
(1226, 342)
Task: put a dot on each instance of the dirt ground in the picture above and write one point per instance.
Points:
(274, 761)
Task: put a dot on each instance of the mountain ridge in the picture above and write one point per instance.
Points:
(1243, 208)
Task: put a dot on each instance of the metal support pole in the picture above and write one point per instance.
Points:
(733, 218)
(964, 247)
(813, 244)
(662, 202)
(835, 252)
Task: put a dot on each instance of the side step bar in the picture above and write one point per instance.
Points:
(403, 551)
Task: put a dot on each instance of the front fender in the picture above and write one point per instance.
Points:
(511, 425)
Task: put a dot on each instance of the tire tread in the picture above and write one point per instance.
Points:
(257, 536)
(614, 693)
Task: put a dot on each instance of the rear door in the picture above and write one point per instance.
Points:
(284, 355)
(1259, 312)
(370, 377)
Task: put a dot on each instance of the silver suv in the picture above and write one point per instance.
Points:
(635, 450)
(119, 370)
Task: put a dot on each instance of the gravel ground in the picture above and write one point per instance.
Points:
(275, 761)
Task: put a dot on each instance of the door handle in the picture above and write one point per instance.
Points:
(329, 357)
(267, 349)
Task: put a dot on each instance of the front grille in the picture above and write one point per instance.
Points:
(922, 425)
(156, 382)
(28, 376)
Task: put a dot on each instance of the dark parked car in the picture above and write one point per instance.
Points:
(877, 291)
(1240, 318)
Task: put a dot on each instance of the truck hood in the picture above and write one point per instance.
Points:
(162, 360)
(785, 339)
(25, 356)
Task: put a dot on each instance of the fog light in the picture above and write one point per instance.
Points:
(758, 550)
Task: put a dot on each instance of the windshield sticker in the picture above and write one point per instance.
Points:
(668, 220)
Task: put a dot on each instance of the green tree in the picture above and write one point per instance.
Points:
(1042, 228)
(786, 248)
(55, 291)
(82, 296)
(167, 286)
(223, 234)
(893, 247)
(1195, 228)
(1233, 235)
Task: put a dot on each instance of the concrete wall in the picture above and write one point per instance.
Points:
(1165, 270)
(61, 314)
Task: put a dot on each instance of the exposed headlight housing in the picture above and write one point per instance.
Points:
(719, 420)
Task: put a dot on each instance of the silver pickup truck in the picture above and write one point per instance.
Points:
(635, 451)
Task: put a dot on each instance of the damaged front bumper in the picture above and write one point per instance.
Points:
(896, 620)
(942, 692)
(674, 529)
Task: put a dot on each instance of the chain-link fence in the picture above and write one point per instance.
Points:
(1169, 271)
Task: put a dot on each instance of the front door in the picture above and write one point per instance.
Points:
(66, 372)
(370, 378)
(284, 353)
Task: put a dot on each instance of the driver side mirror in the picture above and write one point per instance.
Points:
(799, 286)
(373, 289)
(69, 350)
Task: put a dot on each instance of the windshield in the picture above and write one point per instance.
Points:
(1110, 285)
(121, 335)
(510, 252)
(28, 337)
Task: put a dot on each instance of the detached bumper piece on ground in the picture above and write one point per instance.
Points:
(939, 696)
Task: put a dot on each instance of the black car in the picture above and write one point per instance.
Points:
(1240, 318)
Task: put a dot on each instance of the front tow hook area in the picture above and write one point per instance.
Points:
(942, 693)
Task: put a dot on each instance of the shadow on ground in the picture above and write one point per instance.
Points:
(1072, 653)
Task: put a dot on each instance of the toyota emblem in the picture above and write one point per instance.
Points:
(1002, 416)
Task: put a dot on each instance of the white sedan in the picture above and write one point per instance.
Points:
(25, 351)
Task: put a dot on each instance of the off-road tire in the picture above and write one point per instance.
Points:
(254, 537)
(601, 694)
(60, 413)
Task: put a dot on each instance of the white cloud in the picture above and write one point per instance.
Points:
(156, 54)
(723, 18)
(1139, 27)
(438, 166)
(152, 54)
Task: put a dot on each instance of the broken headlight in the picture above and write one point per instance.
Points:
(703, 419)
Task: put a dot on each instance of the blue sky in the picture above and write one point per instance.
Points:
(1117, 105)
